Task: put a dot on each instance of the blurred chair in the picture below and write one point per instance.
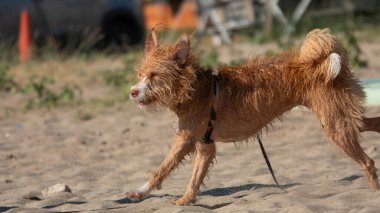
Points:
(272, 8)
(297, 14)
(224, 15)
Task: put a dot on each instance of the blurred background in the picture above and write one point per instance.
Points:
(64, 53)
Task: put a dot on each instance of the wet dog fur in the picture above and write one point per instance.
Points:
(252, 95)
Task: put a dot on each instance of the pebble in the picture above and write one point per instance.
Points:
(53, 190)
(126, 130)
(11, 156)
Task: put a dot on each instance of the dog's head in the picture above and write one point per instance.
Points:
(165, 73)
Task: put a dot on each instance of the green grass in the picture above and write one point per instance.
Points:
(7, 83)
(43, 96)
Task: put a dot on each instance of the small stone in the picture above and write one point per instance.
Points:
(126, 130)
(104, 142)
(52, 190)
(8, 181)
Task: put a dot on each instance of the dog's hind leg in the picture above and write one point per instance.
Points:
(205, 154)
(182, 147)
(371, 124)
(345, 134)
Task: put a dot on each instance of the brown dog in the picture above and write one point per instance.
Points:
(252, 95)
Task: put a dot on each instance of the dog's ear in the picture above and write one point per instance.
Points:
(182, 49)
(151, 40)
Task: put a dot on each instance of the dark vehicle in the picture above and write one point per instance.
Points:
(118, 21)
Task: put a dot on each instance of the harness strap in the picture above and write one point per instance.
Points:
(207, 136)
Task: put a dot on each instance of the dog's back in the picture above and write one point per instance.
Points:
(316, 76)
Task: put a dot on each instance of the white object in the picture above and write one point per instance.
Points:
(53, 190)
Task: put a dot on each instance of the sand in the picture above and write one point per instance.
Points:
(100, 158)
(117, 149)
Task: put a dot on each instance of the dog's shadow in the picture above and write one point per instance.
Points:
(216, 192)
(351, 178)
(6, 208)
(128, 200)
(225, 191)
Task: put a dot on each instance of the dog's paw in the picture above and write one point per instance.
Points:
(136, 195)
(184, 201)
(140, 193)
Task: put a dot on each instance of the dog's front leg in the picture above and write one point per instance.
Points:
(205, 154)
(182, 147)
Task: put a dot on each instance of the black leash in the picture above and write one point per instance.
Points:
(267, 161)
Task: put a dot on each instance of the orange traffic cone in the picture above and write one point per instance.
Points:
(25, 37)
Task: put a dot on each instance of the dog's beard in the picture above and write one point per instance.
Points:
(151, 103)
(152, 106)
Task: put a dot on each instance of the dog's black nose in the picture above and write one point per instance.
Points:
(134, 92)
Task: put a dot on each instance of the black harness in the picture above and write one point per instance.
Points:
(211, 122)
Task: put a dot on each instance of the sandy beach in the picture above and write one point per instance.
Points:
(114, 152)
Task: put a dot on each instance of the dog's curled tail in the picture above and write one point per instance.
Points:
(322, 55)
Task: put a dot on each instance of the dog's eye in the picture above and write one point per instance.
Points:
(153, 75)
